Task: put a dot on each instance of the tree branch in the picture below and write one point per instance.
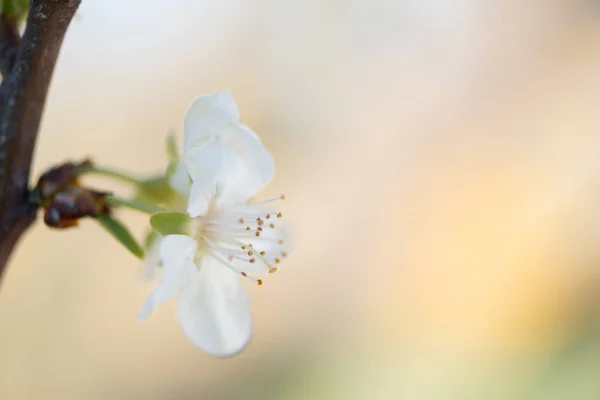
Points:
(22, 98)
(9, 43)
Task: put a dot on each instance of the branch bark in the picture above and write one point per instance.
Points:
(9, 43)
(22, 98)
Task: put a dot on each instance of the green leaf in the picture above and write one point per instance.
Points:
(170, 223)
(122, 234)
(14, 8)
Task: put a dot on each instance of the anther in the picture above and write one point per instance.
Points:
(277, 260)
(257, 234)
(241, 220)
(258, 281)
(249, 253)
(282, 197)
(280, 241)
(279, 215)
(268, 216)
(259, 221)
(252, 260)
(272, 225)
(244, 247)
(259, 229)
(230, 258)
(272, 270)
(248, 228)
(262, 253)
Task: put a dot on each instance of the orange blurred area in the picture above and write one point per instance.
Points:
(440, 163)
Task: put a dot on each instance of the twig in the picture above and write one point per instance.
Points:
(22, 98)
(9, 43)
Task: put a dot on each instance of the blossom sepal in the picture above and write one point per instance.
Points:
(171, 223)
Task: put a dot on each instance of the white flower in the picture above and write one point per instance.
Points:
(222, 157)
(228, 235)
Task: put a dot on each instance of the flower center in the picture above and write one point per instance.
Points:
(242, 236)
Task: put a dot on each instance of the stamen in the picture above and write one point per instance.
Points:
(266, 262)
(279, 215)
(245, 275)
(259, 255)
(249, 252)
(259, 282)
(257, 233)
(282, 197)
(232, 231)
(277, 260)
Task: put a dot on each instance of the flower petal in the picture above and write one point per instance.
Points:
(176, 248)
(204, 165)
(206, 116)
(205, 162)
(151, 262)
(175, 276)
(247, 165)
(200, 197)
(214, 310)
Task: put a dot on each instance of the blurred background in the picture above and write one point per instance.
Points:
(441, 164)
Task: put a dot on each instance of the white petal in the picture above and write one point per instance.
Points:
(175, 276)
(151, 263)
(247, 165)
(214, 310)
(200, 196)
(206, 116)
(204, 165)
(235, 161)
(205, 162)
(180, 180)
(176, 248)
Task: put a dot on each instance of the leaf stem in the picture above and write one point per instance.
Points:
(109, 172)
(132, 204)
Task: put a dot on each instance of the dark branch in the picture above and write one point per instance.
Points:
(9, 43)
(22, 98)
